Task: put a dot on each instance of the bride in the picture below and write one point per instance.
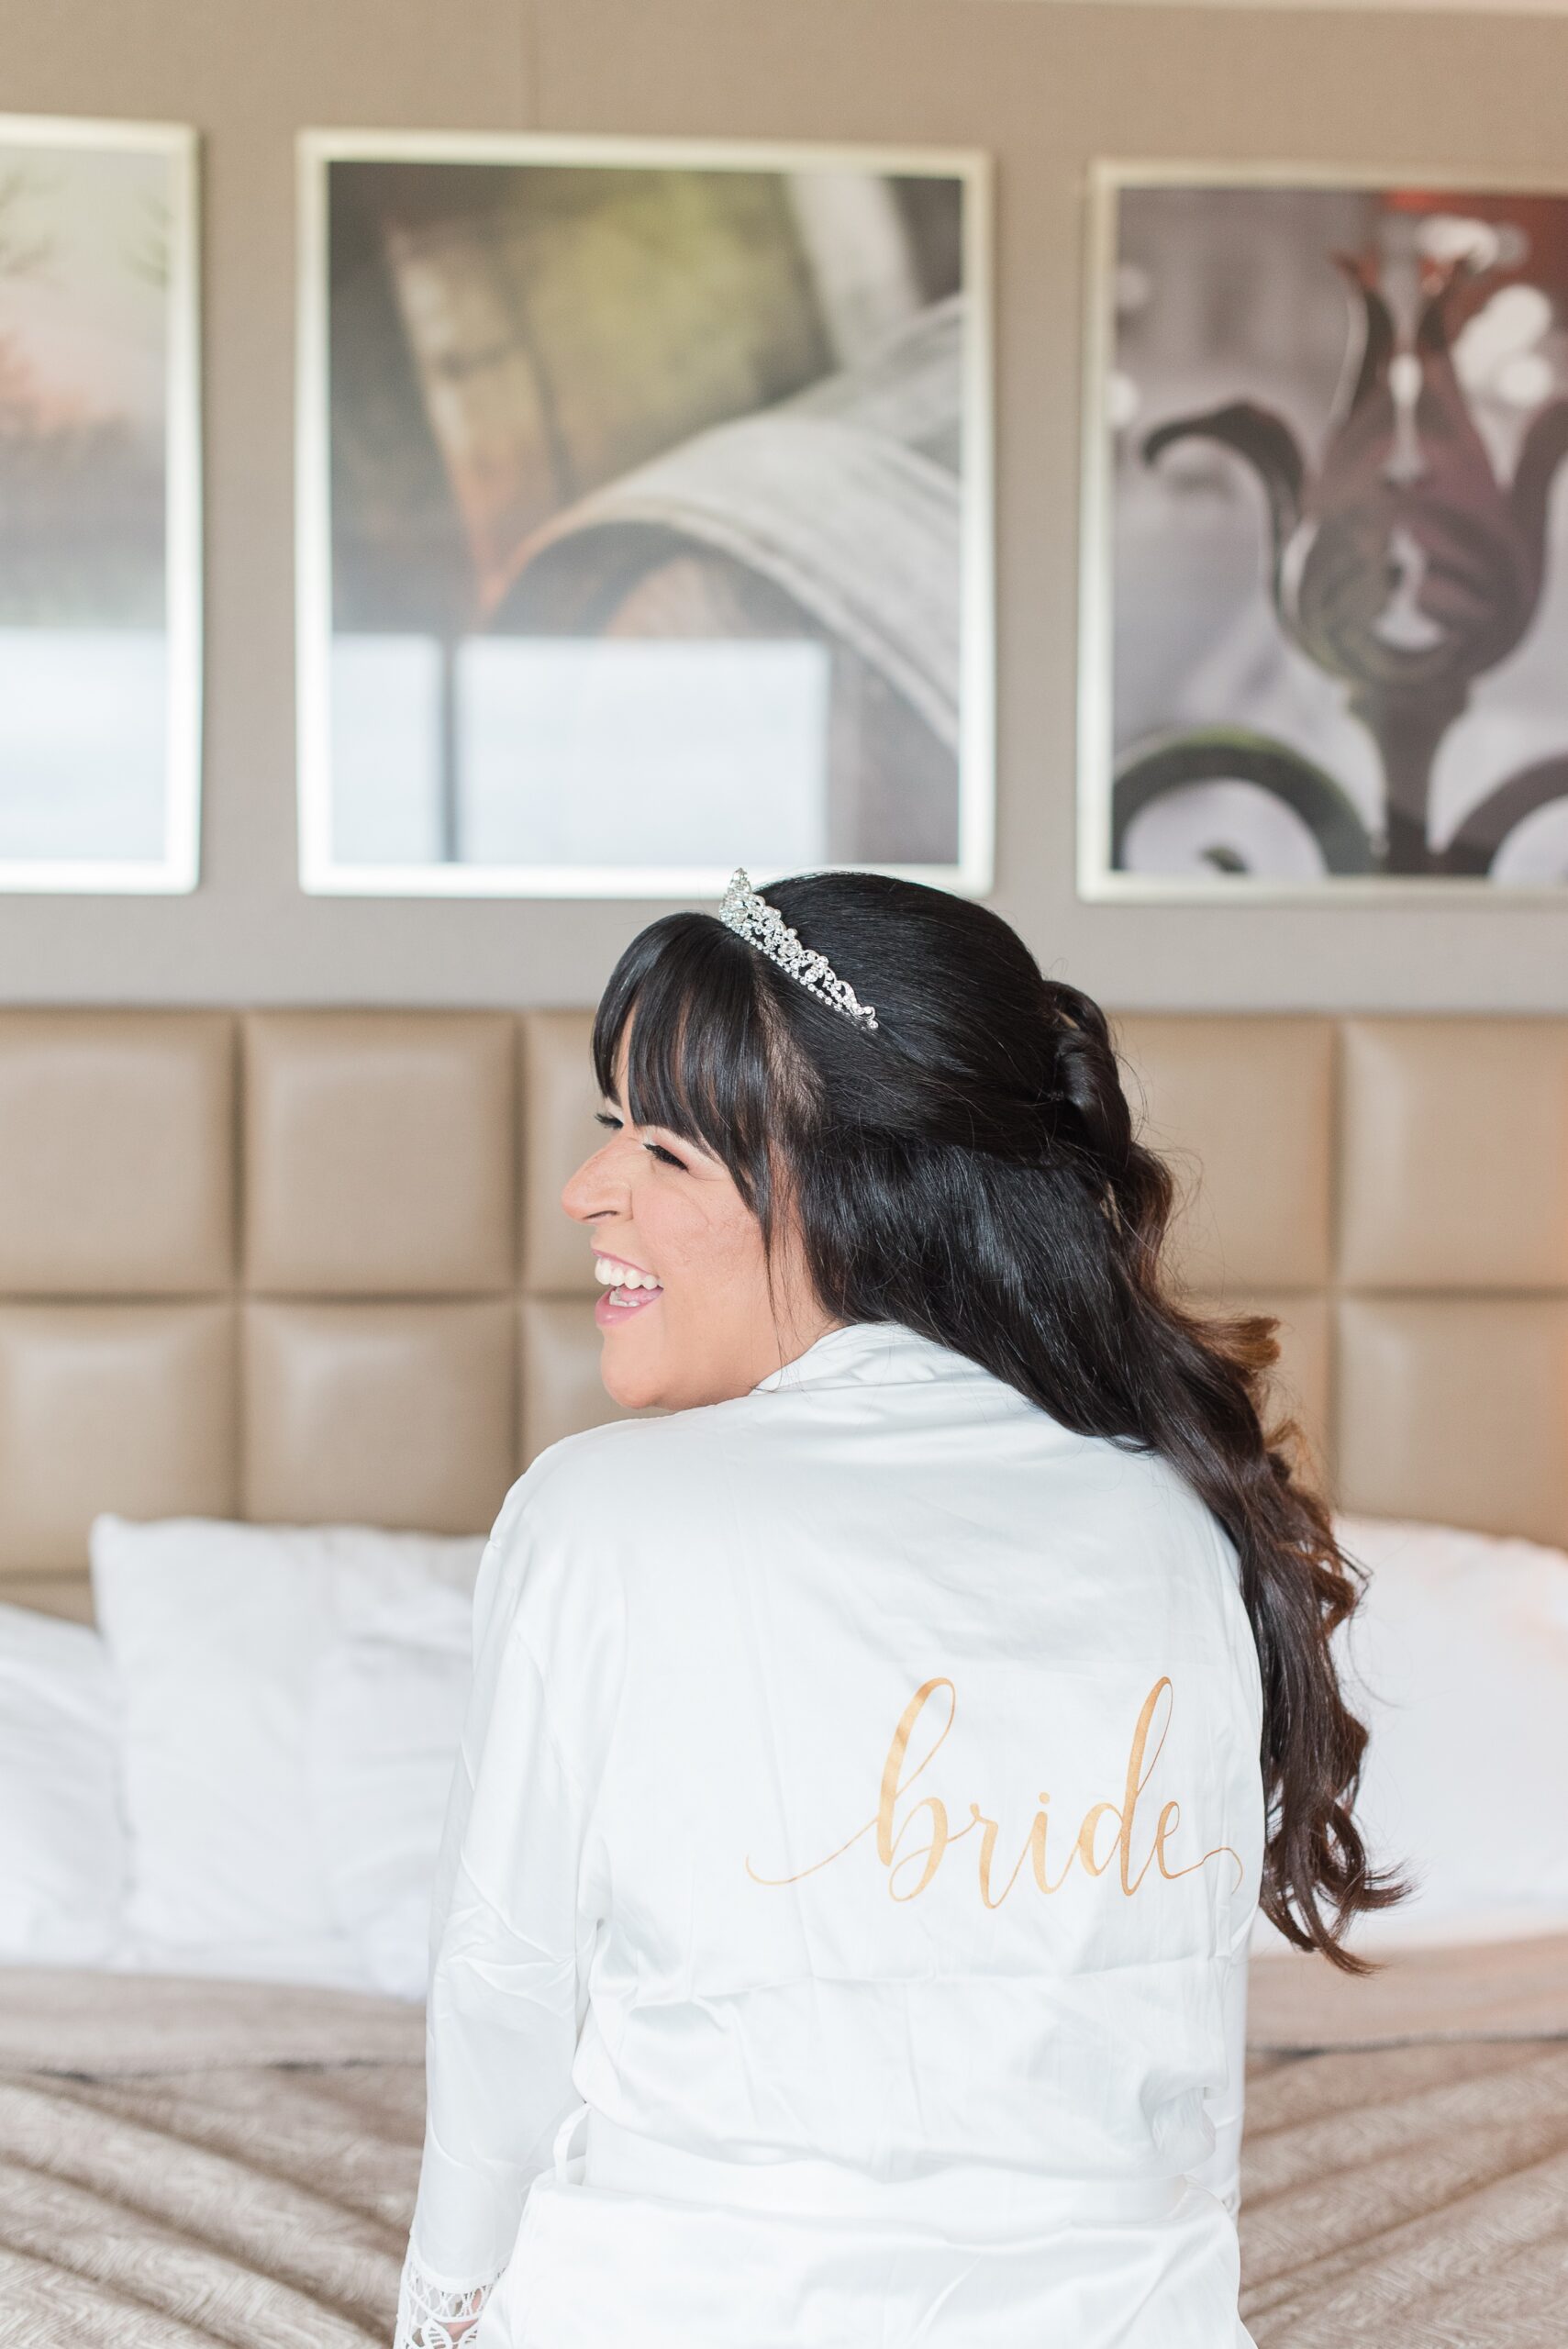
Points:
(876, 1759)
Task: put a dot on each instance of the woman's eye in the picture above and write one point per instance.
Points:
(654, 1149)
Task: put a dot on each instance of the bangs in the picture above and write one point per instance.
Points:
(701, 1038)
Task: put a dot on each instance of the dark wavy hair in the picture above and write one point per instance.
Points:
(971, 1171)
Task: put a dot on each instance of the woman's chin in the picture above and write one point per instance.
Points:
(634, 1386)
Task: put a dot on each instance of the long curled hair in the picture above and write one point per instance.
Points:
(970, 1170)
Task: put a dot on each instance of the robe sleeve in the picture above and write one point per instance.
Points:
(513, 1916)
(1221, 2171)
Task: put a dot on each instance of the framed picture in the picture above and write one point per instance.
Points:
(1325, 589)
(100, 580)
(644, 515)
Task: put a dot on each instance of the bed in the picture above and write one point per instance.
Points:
(300, 1269)
(210, 2162)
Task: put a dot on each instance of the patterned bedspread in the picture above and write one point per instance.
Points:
(191, 2163)
(1405, 2166)
(184, 2164)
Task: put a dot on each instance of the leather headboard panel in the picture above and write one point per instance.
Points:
(1244, 1111)
(124, 1406)
(312, 1266)
(378, 1156)
(1455, 1162)
(1455, 1409)
(395, 1412)
(116, 1159)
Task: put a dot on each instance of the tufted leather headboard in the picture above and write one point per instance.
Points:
(310, 1266)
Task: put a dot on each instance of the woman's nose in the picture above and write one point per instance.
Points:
(595, 1190)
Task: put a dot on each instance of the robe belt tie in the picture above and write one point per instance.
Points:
(980, 2201)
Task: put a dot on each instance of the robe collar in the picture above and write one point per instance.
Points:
(868, 1353)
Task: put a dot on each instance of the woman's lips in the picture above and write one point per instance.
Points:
(625, 1288)
(613, 1305)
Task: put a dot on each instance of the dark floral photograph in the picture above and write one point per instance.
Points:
(1328, 575)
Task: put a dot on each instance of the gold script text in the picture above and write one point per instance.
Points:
(911, 1846)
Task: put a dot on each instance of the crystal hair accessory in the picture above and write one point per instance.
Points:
(763, 927)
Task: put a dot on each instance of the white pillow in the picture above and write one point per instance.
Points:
(221, 1635)
(389, 1709)
(1457, 1660)
(62, 1845)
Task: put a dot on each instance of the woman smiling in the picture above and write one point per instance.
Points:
(877, 1760)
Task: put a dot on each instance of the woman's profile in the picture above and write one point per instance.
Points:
(877, 1757)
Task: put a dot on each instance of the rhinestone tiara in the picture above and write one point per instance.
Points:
(763, 927)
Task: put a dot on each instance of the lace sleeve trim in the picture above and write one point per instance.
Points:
(438, 2316)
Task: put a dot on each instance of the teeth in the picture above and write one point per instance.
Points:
(611, 1275)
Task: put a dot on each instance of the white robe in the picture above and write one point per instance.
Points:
(841, 1930)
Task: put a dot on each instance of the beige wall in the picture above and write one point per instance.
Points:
(1044, 88)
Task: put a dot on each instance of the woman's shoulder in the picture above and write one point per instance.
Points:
(597, 1464)
(578, 1495)
(640, 1501)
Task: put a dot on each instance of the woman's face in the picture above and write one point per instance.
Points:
(685, 1306)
